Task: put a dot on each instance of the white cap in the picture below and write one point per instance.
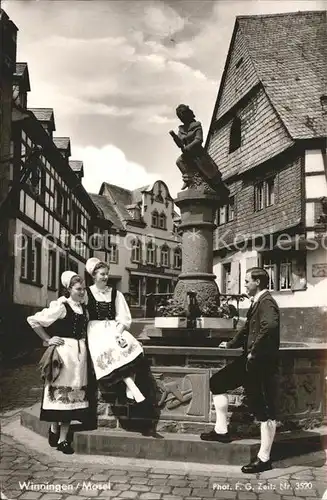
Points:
(91, 263)
(66, 278)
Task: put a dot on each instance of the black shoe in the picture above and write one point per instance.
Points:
(214, 436)
(65, 447)
(256, 466)
(53, 438)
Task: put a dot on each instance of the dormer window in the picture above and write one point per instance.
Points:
(235, 135)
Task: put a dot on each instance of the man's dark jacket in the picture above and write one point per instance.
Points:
(260, 335)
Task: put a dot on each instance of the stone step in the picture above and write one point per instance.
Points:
(178, 447)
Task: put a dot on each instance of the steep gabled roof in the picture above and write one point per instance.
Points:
(76, 165)
(44, 115)
(107, 210)
(22, 74)
(289, 52)
(120, 198)
(62, 143)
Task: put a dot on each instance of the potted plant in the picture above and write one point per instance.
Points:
(171, 315)
(214, 316)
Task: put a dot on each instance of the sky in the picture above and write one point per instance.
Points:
(114, 71)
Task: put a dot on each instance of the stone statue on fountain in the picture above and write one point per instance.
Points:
(198, 169)
(203, 192)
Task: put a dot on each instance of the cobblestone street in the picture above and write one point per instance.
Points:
(24, 471)
(27, 463)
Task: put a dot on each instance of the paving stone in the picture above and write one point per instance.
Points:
(30, 495)
(161, 489)
(157, 482)
(177, 483)
(150, 496)
(157, 476)
(198, 484)
(51, 496)
(138, 480)
(140, 487)
(118, 479)
(109, 494)
(244, 495)
(121, 487)
(181, 491)
(202, 492)
(85, 492)
(99, 477)
(129, 494)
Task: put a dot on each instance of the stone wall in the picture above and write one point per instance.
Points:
(179, 400)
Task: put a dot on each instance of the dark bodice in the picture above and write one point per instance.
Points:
(101, 310)
(73, 325)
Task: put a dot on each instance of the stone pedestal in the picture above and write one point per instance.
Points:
(198, 209)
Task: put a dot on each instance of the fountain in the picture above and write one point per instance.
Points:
(182, 354)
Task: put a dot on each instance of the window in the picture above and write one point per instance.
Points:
(62, 268)
(222, 215)
(270, 192)
(76, 219)
(154, 219)
(113, 254)
(135, 290)
(24, 261)
(31, 260)
(136, 251)
(285, 275)
(52, 265)
(226, 275)
(264, 194)
(163, 221)
(151, 253)
(73, 265)
(286, 272)
(259, 196)
(230, 210)
(270, 267)
(164, 257)
(177, 258)
(235, 135)
(226, 213)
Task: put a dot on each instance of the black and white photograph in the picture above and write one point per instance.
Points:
(163, 249)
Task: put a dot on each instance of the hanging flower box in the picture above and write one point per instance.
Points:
(170, 322)
(215, 323)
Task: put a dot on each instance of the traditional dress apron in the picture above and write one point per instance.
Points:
(67, 398)
(112, 360)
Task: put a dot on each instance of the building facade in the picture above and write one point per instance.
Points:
(268, 137)
(50, 215)
(8, 42)
(145, 252)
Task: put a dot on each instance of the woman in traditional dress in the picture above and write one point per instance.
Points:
(115, 353)
(62, 326)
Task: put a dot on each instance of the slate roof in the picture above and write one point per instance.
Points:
(76, 165)
(107, 209)
(44, 115)
(62, 142)
(289, 52)
(21, 71)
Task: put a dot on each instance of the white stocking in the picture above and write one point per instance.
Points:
(132, 391)
(268, 431)
(221, 405)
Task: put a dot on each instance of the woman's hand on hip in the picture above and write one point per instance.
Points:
(56, 341)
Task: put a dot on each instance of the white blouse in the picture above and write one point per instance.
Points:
(123, 315)
(55, 311)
